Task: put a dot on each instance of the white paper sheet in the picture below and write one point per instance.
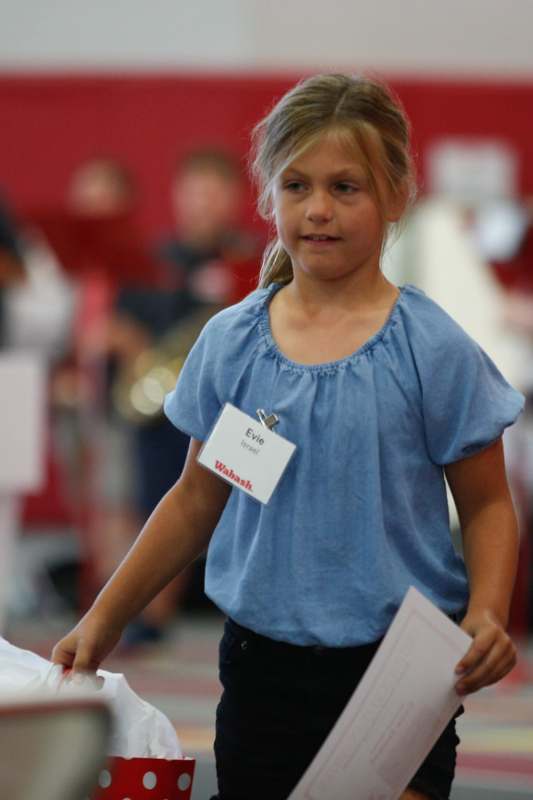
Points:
(403, 703)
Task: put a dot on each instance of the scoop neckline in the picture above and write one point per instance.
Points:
(324, 366)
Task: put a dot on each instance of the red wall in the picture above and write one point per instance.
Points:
(49, 123)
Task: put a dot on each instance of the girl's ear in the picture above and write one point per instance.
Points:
(397, 203)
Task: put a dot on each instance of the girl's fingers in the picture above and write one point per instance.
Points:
(84, 660)
(489, 670)
(478, 650)
(63, 656)
(483, 677)
(73, 656)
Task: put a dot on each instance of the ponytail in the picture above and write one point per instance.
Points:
(276, 266)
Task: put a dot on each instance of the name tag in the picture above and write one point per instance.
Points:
(246, 454)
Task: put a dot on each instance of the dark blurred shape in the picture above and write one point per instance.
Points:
(12, 269)
(11, 261)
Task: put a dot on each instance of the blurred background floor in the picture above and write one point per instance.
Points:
(179, 676)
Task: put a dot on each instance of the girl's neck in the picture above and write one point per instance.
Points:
(322, 326)
(355, 293)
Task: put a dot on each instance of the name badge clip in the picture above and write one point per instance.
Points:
(269, 421)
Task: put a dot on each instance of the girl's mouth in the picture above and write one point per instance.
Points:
(320, 238)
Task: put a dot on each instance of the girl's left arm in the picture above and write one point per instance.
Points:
(490, 543)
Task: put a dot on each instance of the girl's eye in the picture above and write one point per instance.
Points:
(294, 186)
(346, 188)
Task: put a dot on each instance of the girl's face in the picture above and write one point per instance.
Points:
(326, 216)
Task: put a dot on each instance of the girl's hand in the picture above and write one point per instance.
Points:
(490, 657)
(86, 646)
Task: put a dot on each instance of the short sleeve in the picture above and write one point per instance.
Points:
(193, 405)
(466, 401)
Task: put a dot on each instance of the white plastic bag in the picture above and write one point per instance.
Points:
(140, 730)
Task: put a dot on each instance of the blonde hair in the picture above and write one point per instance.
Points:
(366, 117)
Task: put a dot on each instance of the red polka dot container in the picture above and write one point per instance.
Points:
(145, 779)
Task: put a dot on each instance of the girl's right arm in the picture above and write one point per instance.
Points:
(176, 533)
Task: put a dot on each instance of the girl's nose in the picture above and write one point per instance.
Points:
(319, 207)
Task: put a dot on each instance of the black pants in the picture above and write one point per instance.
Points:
(279, 703)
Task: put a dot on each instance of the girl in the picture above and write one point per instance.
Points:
(383, 394)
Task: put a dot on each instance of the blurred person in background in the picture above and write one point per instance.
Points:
(35, 305)
(101, 186)
(102, 200)
(207, 262)
(76, 257)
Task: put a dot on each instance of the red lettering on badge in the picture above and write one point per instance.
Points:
(232, 476)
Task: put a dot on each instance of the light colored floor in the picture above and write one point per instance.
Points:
(179, 676)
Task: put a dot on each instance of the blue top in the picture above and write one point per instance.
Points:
(360, 513)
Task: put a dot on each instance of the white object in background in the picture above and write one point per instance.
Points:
(22, 407)
(499, 229)
(401, 706)
(471, 171)
(38, 312)
(452, 272)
